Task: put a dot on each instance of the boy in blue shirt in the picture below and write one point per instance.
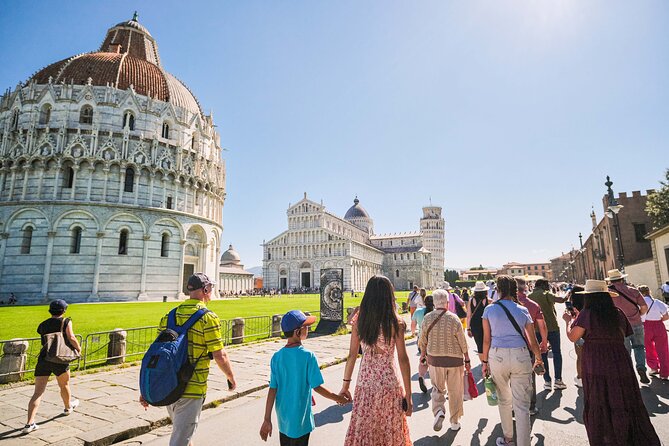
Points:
(294, 372)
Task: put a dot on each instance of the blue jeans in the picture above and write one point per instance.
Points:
(636, 342)
(554, 341)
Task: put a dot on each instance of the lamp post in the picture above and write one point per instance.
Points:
(583, 262)
(571, 263)
(612, 212)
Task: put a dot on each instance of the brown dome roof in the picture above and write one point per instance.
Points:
(128, 56)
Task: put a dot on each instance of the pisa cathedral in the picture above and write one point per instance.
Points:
(316, 239)
(111, 178)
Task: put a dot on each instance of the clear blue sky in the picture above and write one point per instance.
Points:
(508, 114)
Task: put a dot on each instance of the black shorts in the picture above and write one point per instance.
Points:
(46, 368)
(285, 440)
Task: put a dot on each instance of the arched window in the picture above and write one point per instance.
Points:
(166, 130)
(165, 246)
(68, 178)
(129, 120)
(129, 185)
(27, 240)
(397, 273)
(169, 202)
(45, 114)
(75, 242)
(123, 242)
(86, 115)
(269, 255)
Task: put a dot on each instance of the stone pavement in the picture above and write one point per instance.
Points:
(109, 411)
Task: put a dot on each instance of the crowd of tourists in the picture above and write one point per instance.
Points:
(513, 330)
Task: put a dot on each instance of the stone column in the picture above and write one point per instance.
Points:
(75, 170)
(136, 186)
(121, 187)
(39, 182)
(11, 183)
(116, 347)
(3, 246)
(26, 171)
(276, 325)
(238, 330)
(91, 171)
(96, 273)
(181, 270)
(104, 187)
(56, 177)
(145, 256)
(3, 174)
(13, 361)
(186, 196)
(152, 177)
(47, 264)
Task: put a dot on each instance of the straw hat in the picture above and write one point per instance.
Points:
(480, 286)
(615, 274)
(596, 286)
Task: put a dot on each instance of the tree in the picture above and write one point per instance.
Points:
(451, 276)
(657, 205)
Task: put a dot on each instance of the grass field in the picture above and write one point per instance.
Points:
(22, 321)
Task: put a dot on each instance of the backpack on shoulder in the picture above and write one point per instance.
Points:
(56, 348)
(166, 368)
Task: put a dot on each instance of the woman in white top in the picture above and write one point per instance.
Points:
(655, 335)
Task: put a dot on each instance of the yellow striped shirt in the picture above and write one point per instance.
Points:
(204, 337)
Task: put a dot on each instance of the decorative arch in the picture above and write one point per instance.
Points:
(16, 214)
(75, 211)
(116, 216)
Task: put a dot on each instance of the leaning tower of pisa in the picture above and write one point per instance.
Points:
(432, 228)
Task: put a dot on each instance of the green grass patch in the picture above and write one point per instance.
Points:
(22, 321)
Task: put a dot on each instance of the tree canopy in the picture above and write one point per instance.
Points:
(657, 205)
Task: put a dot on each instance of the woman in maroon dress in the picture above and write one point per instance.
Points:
(614, 413)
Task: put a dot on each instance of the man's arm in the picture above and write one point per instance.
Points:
(266, 428)
(223, 363)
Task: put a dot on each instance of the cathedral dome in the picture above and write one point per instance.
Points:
(356, 211)
(127, 57)
(230, 256)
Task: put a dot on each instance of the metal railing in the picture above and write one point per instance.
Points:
(32, 354)
(97, 345)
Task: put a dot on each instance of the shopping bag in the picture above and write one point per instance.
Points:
(473, 391)
(490, 391)
(467, 395)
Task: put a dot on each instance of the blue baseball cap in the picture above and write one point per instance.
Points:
(295, 319)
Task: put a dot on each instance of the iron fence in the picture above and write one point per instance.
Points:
(99, 347)
(32, 354)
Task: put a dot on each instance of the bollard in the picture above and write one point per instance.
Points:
(13, 361)
(276, 325)
(238, 330)
(405, 307)
(116, 347)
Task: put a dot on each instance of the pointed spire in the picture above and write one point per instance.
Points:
(135, 17)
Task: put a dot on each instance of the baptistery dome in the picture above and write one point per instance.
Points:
(358, 216)
(111, 178)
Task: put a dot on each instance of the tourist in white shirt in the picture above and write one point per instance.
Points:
(655, 335)
(665, 291)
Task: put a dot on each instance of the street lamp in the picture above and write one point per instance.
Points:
(612, 212)
(583, 263)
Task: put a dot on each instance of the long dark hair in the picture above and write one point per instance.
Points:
(603, 312)
(507, 287)
(480, 295)
(377, 311)
(429, 304)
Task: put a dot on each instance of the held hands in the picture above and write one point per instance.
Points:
(342, 399)
(266, 430)
(346, 395)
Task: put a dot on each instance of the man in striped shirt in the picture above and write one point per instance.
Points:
(204, 343)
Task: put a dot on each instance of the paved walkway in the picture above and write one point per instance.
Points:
(109, 411)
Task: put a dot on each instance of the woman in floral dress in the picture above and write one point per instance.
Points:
(378, 418)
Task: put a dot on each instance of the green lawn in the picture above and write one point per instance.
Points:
(22, 321)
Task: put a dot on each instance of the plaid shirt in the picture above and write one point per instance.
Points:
(203, 338)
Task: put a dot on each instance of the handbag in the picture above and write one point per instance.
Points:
(467, 396)
(473, 390)
(56, 349)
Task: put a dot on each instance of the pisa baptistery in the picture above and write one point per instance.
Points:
(111, 178)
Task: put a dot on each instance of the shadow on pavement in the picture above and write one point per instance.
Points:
(577, 412)
(16, 433)
(421, 401)
(651, 396)
(446, 439)
(332, 415)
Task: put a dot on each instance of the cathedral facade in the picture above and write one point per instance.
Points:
(317, 239)
(111, 178)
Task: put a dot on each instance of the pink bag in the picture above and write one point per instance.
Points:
(467, 396)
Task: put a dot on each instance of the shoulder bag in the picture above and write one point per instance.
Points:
(56, 348)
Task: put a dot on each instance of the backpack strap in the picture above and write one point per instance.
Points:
(182, 329)
(514, 323)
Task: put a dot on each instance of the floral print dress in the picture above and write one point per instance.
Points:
(377, 418)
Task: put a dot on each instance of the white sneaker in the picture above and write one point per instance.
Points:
(578, 382)
(559, 385)
(438, 420)
(73, 405)
(455, 426)
(28, 428)
(548, 385)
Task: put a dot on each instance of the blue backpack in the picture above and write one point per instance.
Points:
(166, 368)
